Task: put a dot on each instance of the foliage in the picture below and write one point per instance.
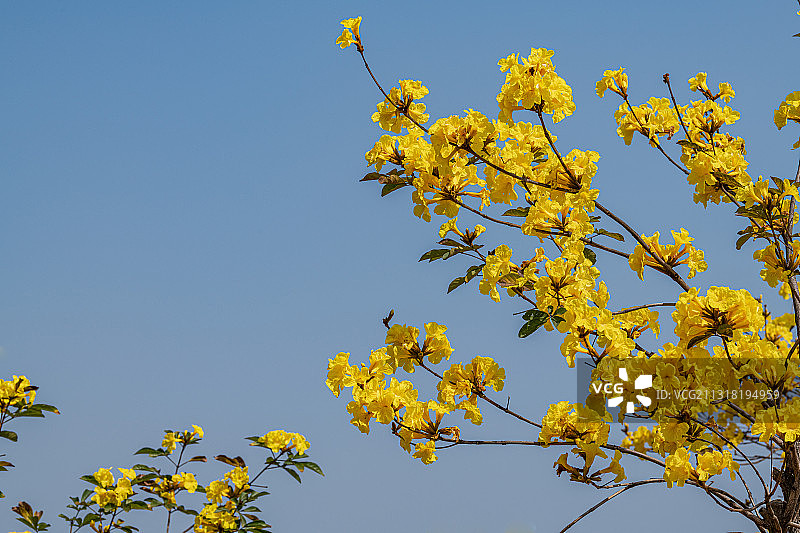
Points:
(17, 397)
(720, 400)
(230, 502)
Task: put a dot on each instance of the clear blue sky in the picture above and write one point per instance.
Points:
(185, 241)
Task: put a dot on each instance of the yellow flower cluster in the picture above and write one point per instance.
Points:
(679, 468)
(789, 109)
(17, 391)
(218, 515)
(680, 253)
(575, 423)
(656, 117)
(172, 439)
(614, 80)
(723, 312)
(468, 381)
(534, 84)
(280, 440)
(699, 83)
(715, 160)
(167, 486)
(350, 34)
(399, 110)
(110, 494)
(213, 519)
(378, 395)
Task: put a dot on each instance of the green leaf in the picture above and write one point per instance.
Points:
(694, 146)
(455, 284)
(46, 407)
(742, 240)
(32, 410)
(146, 468)
(449, 242)
(536, 320)
(314, 467)
(235, 461)
(90, 479)
(697, 340)
(293, 474)
(557, 319)
(391, 187)
(372, 176)
(139, 505)
(10, 435)
(152, 452)
(530, 313)
(590, 255)
(433, 255)
(612, 234)
(517, 212)
(472, 272)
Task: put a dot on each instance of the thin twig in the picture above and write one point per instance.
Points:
(608, 499)
(631, 309)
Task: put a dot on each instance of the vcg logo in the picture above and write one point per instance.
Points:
(645, 381)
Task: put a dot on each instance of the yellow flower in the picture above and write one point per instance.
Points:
(789, 109)
(170, 441)
(216, 490)
(280, 440)
(722, 312)
(239, 477)
(350, 33)
(615, 80)
(13, 392)
(425, 452)
(680, 253)
(678, 468)
(104, 477)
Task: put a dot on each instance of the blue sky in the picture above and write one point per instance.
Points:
(185, 240)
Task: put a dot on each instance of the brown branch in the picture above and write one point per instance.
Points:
(657, 144)
(608, 499)
(668, 270)
(631, 309)
(674, 103)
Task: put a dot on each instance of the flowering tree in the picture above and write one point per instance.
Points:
(721, 400)
(230, 504)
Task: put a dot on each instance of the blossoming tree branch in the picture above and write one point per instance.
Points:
(721, 401)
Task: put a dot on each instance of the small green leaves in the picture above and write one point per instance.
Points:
(151, 452)
(294, 474)
(433, 255)
(612, 234)
(590, 255)
(472, 272)
(235, 461)
(10, 435)
(517, 212)
(461, 280)
(697, 340)
(535, 319)
(314, 467)
(391, 187)
(455, 284)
